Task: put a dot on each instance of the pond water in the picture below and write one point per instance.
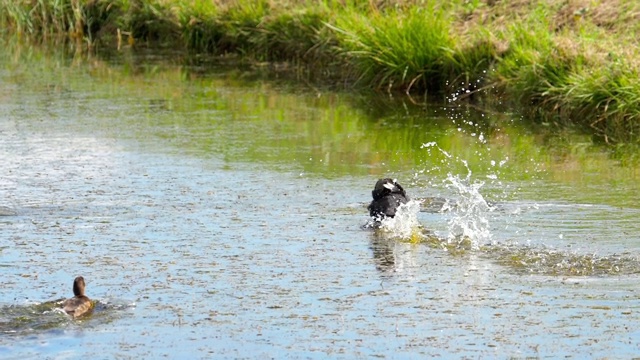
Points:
(218, 212)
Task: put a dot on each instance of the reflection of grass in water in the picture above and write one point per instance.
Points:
(344, 134)
(530, 260)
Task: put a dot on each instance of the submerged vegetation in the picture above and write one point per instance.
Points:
(570, 63)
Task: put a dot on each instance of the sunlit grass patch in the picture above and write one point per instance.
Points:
(43, 17)
(198, 23)
(298, 35)
(558, 78)
(398, 48)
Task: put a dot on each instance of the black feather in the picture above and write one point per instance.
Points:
(387, 196)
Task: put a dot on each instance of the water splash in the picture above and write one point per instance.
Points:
(405, 224)
(469, 213)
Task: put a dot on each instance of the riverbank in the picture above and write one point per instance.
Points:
(566, 63)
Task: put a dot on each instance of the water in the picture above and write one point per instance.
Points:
(217, 217)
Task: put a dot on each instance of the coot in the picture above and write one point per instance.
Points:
(387, 196)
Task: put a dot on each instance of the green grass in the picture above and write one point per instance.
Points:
(569, 63)
(395, 48)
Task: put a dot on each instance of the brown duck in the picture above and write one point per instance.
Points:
(80, 304)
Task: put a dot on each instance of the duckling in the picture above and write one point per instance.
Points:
(387, 196)
(80, 304)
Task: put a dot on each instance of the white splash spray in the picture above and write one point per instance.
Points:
(469, 212)
(405, 223)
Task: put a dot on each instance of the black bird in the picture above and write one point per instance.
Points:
(387, 196)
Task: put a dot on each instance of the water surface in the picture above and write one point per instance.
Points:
(214, 213)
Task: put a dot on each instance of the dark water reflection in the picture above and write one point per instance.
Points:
(223, 217)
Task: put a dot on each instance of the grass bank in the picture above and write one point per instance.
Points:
(566, 62)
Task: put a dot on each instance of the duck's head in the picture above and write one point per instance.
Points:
(78, 286)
